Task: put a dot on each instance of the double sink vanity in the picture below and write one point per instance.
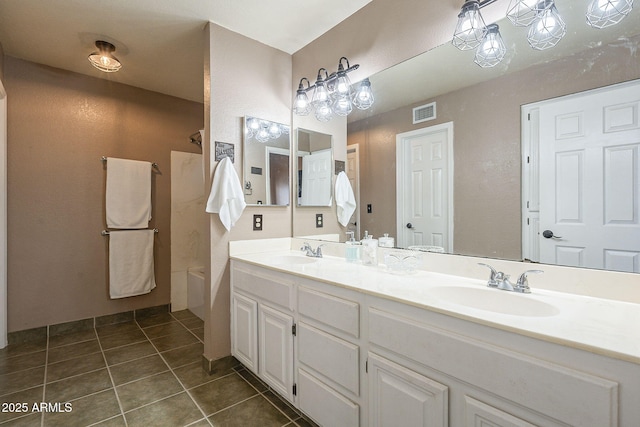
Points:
(354, 345)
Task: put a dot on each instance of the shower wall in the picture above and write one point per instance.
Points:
(189, 222)
(59, 125)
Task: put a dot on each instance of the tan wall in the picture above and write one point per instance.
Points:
(59, 126)
(487, 151)
(242, 77)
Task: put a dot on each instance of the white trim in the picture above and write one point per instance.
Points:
(3, 216)
(356, 149)
(400, 152)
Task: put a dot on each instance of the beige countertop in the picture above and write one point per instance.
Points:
(602, 326)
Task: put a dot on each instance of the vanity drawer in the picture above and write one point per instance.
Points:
(338, 313)
(335, 358)
(274, 288)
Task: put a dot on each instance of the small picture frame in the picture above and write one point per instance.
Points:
(224, 149)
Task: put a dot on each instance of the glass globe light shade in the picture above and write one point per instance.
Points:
(342, 86)
(342, 106)
(323, 111)
(320, 94)
(470, 28)
(363, 99)
(263, 134)
(103, 59)
(274, 130)
(492, 49)
(522, 13)
(301, 104)
(548, 28)
(605, 13)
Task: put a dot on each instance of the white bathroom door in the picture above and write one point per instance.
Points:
(316, 179)
(590, 179)
(424, 187)
(3, 216)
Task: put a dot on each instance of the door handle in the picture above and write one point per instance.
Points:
(410, 226)
(548, 234)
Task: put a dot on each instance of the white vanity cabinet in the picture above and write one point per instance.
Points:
(493, 377)
(262, 325)
(359, 359)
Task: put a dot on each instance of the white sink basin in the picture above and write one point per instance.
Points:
(494, 300)
(292, 260)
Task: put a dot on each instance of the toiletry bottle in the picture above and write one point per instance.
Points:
(369, 250)
(386, 241)
(352, 250)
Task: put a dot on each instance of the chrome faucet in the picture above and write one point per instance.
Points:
(501, 281)
(308, 250)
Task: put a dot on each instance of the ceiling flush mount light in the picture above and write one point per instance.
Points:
(103, 59)
(470, 29)
(332, 94)
(605, 13)
(492, 49)
(548, 27)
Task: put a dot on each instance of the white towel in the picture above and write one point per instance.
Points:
(227, 197)
(128, 195)
(131, 263)
(345, 200)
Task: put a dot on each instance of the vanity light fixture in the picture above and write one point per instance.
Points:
(332, 94)
(103, 59)
(470, 29)
(263, 130)
(548, 27)
(605, 13)
(492, 49)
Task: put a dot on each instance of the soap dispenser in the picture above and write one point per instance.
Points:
(352, 251)
(369, 250)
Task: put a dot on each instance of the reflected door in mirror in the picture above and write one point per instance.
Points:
(589, 179)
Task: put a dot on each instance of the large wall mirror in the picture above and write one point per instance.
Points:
(315, 170)
(480, 196)
(266, 162)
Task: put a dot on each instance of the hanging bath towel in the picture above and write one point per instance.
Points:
(345, 200)
(128, 195)
(131, 263)
(227, 197)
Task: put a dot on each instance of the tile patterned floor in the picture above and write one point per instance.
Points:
(145, 372)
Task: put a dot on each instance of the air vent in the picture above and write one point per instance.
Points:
(424, 113)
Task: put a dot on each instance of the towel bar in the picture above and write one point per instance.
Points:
(104, 160)
(107, 232)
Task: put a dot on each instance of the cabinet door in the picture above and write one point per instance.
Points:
(399, 396)
(324, 405)
(244, 334)
(276, 350)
